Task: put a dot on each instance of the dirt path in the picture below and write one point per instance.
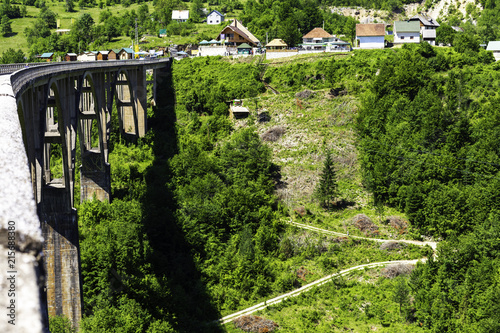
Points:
(297, 292)
(328, 278)
(433, 245)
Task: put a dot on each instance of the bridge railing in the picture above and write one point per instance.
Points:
(11, 68)
(25, 74)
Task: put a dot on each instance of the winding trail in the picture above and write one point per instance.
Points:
(328, 278)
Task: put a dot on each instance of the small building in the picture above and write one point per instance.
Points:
(87, 56)
(370, 36)
(113, 54)
(406, 32)
(125, 54)
(236, 34)
(276, 44)
(102, 55)
(428, 28)
(236, 110)
(244, 49)
(48, 57)
(494, 46)
(63, 31)
(215, 17)
(163, 33)
(180, 15)
(70, 57)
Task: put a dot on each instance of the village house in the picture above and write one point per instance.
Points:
(70, 57)
(102, 55)
(406, 32)
(494, 46)
(125, 54)
(370, 36)
(236, 34)
(48, 57)
(87, 56)
(276, 44)
(215, 17)
(113, 54)
(162, 33)
(180, 15)
(319, 39)
(428, 28)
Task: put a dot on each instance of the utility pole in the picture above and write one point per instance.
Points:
(136, 34)
(267, 42)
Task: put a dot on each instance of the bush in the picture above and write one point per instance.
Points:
(273, 134)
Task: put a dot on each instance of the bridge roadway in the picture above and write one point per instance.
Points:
(45, 111)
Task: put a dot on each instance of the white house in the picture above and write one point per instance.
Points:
(180, 15)
(370, 36)
(427, 28)
(406, 32)
(319, 39)
(87, 56)
(215, 17)
(494, 46)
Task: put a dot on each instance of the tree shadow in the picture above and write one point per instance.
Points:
(10, 34)
(341, 204)
(188, 303)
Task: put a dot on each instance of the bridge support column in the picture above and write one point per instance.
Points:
(95, 172)
(141, 100)
(59, 218)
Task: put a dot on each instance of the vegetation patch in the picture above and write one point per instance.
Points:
(255, 324)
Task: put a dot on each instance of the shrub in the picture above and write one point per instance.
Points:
(273, 134)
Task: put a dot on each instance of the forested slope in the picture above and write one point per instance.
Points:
(195, 229)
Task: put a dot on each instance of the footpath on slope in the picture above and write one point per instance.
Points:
(328, 278)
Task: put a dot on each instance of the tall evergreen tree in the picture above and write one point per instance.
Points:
(326, 190)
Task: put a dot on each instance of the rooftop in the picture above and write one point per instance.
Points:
(317, 33)
(371, 29)
(406, 26)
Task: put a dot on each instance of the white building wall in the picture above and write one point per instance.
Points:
(496, 55)
(86, 57)
(212, 51)
(371, 42)
(406, 37)
(214, 18)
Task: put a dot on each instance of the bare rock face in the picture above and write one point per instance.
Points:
(20, 236)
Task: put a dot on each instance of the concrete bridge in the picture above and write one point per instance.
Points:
(49, 112)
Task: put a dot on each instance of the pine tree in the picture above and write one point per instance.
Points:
(5, 26)
(326, 189)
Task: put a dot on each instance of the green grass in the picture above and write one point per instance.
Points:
(17, 40)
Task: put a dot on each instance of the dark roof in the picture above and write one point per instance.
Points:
(216, 11)
(426, 20)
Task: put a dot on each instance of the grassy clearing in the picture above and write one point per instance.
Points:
(311, 126)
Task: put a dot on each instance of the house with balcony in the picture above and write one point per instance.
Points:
(236, 34)
(319, 39)
(370, 35)
(406, 32)
(428, 28)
